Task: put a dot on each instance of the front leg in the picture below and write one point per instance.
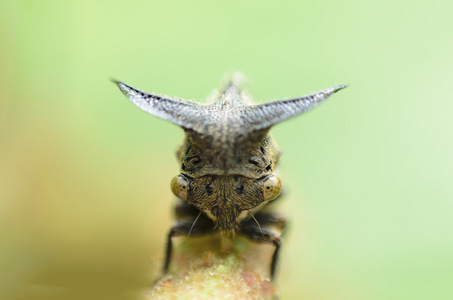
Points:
(273, 219)
(266, 235)
(185, 228)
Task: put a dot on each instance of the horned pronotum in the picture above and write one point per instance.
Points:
(228, 159)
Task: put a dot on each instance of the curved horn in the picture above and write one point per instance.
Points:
(183, 114)
(268, 114)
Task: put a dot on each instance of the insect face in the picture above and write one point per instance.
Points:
(224, 198)
(227, 183)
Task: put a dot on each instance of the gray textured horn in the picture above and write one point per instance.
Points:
(268, 114)
(183, 114)
(229, 119)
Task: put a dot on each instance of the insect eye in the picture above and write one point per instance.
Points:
(272, 188)
(180, 187)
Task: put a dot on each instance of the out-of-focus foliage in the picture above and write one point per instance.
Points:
(84, 175)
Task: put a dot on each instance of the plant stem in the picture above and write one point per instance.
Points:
(209, 268)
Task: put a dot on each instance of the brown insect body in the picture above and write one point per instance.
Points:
(228, 161)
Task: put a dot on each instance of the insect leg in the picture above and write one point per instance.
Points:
(263, 235)
(185, 211)
(183, 229)
(271, 219)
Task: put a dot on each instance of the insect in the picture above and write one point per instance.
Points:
(228, 158)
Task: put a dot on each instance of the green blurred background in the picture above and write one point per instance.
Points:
(84, 175)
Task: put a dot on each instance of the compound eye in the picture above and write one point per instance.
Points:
(180, 187)
(272, 188)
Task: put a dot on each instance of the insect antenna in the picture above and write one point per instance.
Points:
(256, 221)
(193, 224)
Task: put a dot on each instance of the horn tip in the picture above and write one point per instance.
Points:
(117, 83)
(339, 88)
(124, 88)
